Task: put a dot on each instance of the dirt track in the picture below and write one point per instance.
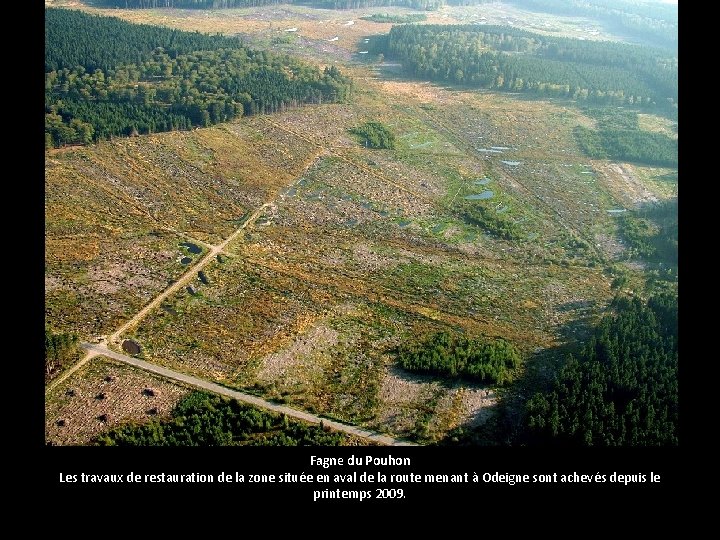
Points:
(186, 277)
(101, 350)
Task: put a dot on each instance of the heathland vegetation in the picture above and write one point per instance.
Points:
(653, 21)
(652, 233)
(364, 256)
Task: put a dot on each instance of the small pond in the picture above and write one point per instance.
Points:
(480, 196)
(192, 248)
(131, 347)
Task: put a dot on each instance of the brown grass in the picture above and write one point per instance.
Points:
(367, 250)
(124, 401)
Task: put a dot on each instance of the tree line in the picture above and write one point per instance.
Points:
(61, 349)
(106, 77)
(652, 233)
(654, 21)
(201, 419)
(188, 4)
(632, 146)
(427, 5)
(457, 356)
(514, 60)
(655, 10)
(622, 387)
(398, 19)
(618, 136)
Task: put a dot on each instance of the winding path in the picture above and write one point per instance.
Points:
(101, 349)
(189, 274)
(186, 277)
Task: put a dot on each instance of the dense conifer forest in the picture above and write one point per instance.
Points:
(454, 356)
(513, 60)
(397, 19)
(202, 419)
(622, 387)
(618, 136)
(375, 135)
(105, 77)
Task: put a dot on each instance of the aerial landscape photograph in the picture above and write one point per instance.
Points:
(361, 223)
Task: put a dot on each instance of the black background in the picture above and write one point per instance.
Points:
(424, 460)
(41, 466)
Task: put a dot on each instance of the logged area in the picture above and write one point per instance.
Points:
(397, 219)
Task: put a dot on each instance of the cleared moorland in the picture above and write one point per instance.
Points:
(486, 218)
